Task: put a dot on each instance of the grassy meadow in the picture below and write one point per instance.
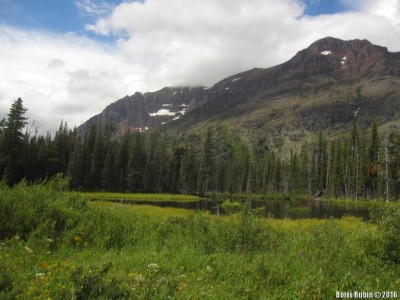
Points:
(57, 245)
(126, 197)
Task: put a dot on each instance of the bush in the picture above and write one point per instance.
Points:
(388, 220)
(45, 208)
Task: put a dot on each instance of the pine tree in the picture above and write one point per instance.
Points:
(336, 179)
(175, 169)
(96, 162)
(373, 165)
(61, 149)
(42, 157)
(321, 164)
(152, 169)
(108, 173)
(13, 145)
(76, 165)
(304, 169)
(206, 165)
(188, 170)
(355, 170)
(136, 164)
(163, 160)
(121, 160)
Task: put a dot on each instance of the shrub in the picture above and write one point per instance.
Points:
(388, 220)
(45, 208)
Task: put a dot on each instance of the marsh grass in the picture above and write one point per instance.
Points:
(110, 251)
(126, 197)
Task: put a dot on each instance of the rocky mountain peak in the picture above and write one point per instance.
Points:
(338, 45)
(350, 59)
(326, 61)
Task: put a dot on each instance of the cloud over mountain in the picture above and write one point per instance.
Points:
(168, 43)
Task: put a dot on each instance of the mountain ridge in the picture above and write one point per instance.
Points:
(329, 79)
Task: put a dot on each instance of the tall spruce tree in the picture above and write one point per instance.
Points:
(136, 164)
(206, 165)
(13, 144)
(76, 165)
(355, 142)
(188, 170)
(97, 161)
(108, 181)
(373, 165)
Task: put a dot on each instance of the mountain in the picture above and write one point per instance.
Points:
(322, 87)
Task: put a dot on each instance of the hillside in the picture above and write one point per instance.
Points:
(321, 87)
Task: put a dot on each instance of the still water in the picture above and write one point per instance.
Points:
(276, 208)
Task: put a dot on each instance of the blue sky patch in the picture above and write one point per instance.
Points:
(59, 16)
(323, 7)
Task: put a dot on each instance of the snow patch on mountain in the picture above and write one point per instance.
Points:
(162, 112)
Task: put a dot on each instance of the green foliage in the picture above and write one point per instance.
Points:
(215, 159)
(95, 282)
(123, 197)
(44, 208)
(111, 251)
(388, 220)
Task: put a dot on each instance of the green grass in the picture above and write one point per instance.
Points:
(233, 206)
(376, 203)
(140, 197)
(54, 245)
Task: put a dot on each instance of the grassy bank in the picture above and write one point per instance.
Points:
(54, 245)
(126, 197)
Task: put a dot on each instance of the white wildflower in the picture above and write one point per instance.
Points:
(154, 267)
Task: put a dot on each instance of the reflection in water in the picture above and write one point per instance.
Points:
(276, 208)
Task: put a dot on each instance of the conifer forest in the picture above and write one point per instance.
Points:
(364, 164)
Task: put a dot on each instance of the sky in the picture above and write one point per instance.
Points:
(69, 59)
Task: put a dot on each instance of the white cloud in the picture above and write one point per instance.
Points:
(169, 43)
(60, 77)
(94, 8)
(199, 42)
(386, 9)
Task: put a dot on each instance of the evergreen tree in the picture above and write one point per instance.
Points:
(321, 163)
(121, 160)
(61, 149)
(108, 181)
(136, 164)
(96, 162)
(304, 169)
(76, 165)
(42, 158)
(188, 170)
(13, 145)
(206, 165)
(355, 164)
(391, 165)
(373, 165)
(152, 169)
(175, 169)
(88, 148)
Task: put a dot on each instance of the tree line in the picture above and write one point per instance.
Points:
(361, 165)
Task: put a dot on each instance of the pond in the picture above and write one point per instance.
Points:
(276, 208)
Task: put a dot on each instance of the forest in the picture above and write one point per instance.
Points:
(56, 244)
(364, 164)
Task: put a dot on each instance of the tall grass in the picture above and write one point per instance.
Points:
(123, 197)
(55, 245)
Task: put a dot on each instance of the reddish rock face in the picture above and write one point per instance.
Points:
(346, 59)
